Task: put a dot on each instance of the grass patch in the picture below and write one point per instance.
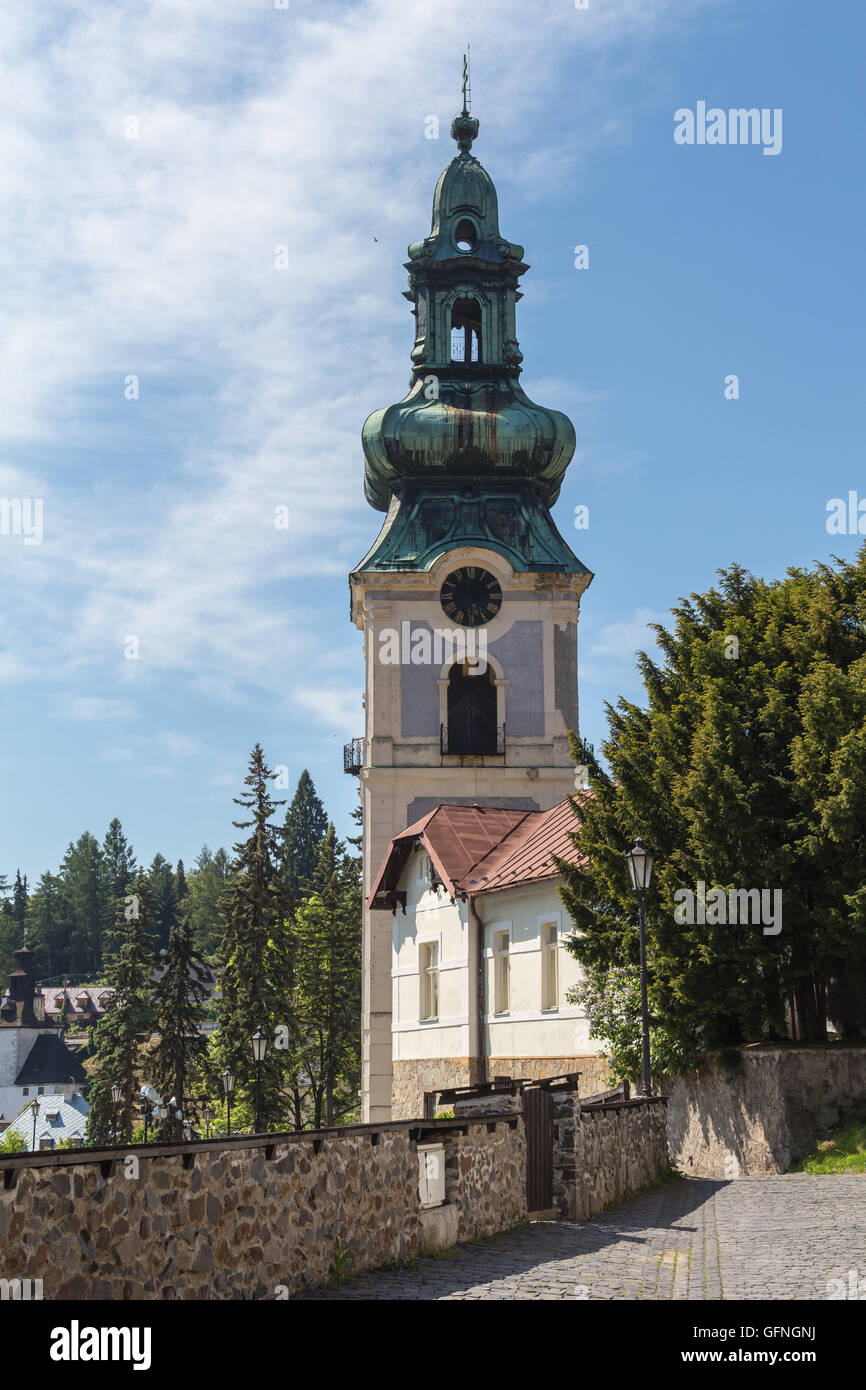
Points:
(844, 1153)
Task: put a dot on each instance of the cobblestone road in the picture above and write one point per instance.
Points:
(763, 1238)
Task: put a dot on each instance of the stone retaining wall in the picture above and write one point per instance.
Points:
(603, 1153)
(412, 1078)
(256, 1218)
(755, 1110)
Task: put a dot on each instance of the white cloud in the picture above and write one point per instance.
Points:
(155, 256)
(96, 708)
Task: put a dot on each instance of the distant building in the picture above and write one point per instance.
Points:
(479, 966)
(34, 1060)
(85, 1005)
(60, 1118)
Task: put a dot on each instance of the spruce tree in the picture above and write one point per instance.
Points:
(119, 869)
(305, 827)
(254, 987)
(207, 884)
(327, 982)
(121, 1033)
(85, 899)
(179, 996)
(19, 904)
(46, 932)
(163, 901)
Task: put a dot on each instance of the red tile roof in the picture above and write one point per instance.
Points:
(480, 849)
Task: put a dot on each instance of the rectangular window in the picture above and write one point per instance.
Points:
(25, 1090)
(428, 965)
(501, 972)
(549, 966)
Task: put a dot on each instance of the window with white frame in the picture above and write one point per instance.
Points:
(428, 965)
(549, 965)
(501, 972)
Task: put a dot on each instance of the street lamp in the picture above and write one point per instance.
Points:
(640, 868)
(116, 1093)
(34, 1106)
(144, 1112)
(207, 1116)
(228, 1089)
(260, 1047)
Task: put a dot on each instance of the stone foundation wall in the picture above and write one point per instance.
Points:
(755, 1110)
(603, 1153)
(258, 1218)
(485, 1176)
(413, 1078)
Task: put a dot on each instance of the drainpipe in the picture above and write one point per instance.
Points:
(479, 990)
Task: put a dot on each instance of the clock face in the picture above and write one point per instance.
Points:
(471, 596)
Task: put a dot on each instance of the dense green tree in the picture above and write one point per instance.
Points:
(162, 897)
(180, 885)
(121, 1034)
(207, 884)
(327, 984)
(19, 903)
(48, 927)
(179, 995)
(746, 770)
(305, 827)
(84, 901)
(253, 954)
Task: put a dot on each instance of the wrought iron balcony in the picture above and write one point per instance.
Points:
(353, 756)
(472, 743)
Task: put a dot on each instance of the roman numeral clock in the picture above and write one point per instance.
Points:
(471, 596)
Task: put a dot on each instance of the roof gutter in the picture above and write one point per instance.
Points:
(479, 990)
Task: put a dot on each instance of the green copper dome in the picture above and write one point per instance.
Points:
(466, 425)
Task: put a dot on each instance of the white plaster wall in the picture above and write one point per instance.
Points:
(527, 1030)
(430, 916)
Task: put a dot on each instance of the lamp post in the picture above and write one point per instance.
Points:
(116, 1094)
(260, 1047)
(144, 1112)
(228, 1089)
(640, 868)
(207, 1116)
(34, 1106)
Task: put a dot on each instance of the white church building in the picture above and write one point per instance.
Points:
(466, 469)
(480, 971)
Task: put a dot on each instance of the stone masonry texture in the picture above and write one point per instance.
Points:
(603, 1153)
(235, 1223)
(756, 1110)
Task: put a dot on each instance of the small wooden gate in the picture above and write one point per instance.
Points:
(538, 1119)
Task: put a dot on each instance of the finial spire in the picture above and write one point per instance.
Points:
(464, 128)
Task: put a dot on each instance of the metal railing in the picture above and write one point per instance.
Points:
(353, 756)
(465, 745)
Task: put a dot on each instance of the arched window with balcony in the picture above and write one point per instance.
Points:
(472, 727)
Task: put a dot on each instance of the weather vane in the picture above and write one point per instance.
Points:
(467, 86)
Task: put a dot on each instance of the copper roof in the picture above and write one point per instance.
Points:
(479, 849)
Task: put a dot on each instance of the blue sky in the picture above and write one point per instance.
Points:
(256, 127)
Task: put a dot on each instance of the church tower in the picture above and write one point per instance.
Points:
(469, 597)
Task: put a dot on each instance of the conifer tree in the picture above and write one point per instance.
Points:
(162, 897)
(46, 927)
(84, 900)
(255, 992)
(207, 884)
(180, 885)
(746, 770)
(19, 903)
(327, 941)
(179, 996)
(121, 1033)
(304, 829)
